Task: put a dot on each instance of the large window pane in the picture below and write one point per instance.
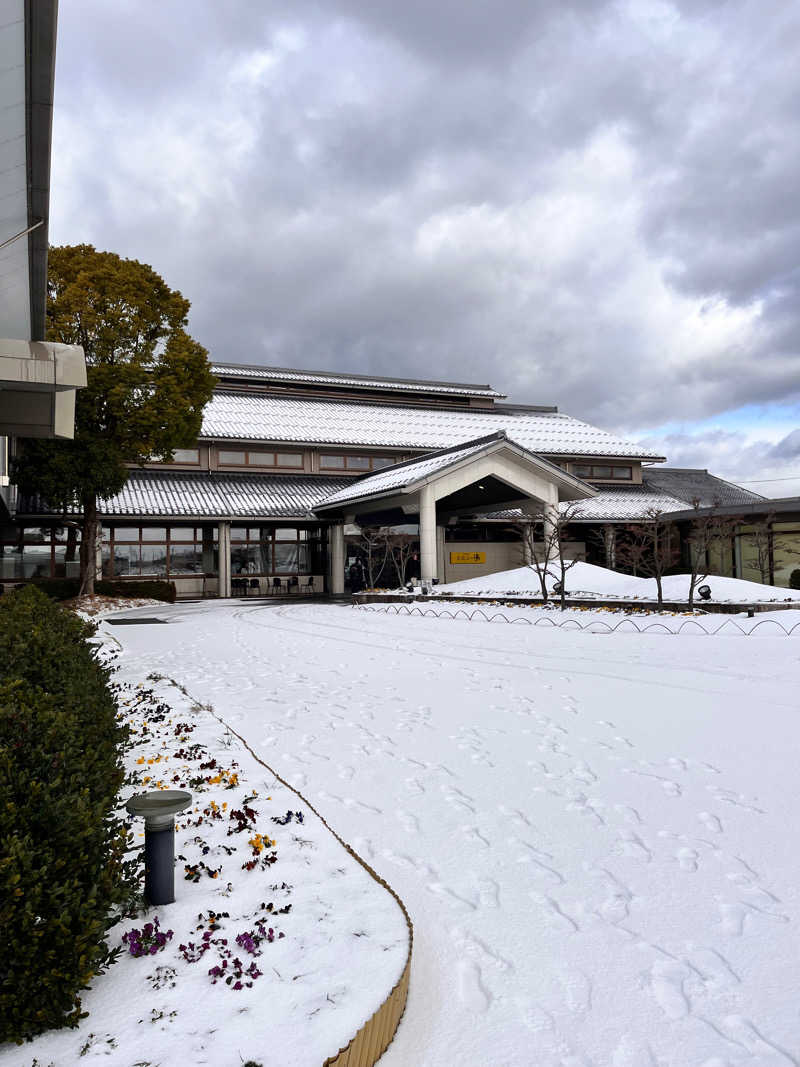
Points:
(358, 463)
(181, 533)
(36, 535)
(126, 560)
(126, 533)
(246, 559)
(153, 560)
(233, 459)
(67, 533)
(261, 459)
(601, 472)
(67, 562)
(238, 533)
(289, 459)
(286, 558)
(154, 533)
(303, 559)
(379, 462)
(332, 462)
(287, 534)
(185, 559)
(623, 473)
(186, 455)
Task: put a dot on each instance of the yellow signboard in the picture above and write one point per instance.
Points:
(467, 557)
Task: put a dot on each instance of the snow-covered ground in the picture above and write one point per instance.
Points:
(279, 944)
(594, 834)
(587, 580)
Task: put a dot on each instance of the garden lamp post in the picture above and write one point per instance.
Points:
(159, 808)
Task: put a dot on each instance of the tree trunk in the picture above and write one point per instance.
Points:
(88, 557)
(658, 588)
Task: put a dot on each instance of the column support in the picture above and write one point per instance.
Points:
(610, 539)
(336, 535)
(441, 558)
(427, 534)
(224, 553)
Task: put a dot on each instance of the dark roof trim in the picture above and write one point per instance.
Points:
(765, 506)
(364, 380)
(40, 60)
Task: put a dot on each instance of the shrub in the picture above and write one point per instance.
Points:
(794, 579)
(66, 588)
(61, 850)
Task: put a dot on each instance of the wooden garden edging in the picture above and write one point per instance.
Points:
(367, 1046)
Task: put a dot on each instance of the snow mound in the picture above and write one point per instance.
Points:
(586, 579)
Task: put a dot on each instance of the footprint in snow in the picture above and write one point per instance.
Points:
(471, 990)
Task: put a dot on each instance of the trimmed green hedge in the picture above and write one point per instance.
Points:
(61, 850)
(66, 588)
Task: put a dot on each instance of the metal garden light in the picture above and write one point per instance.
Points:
(159, 809)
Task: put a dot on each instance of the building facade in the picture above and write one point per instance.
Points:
(291, 465)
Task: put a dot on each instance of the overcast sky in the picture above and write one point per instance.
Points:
(583, 203)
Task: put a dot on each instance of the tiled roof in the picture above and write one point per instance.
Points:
(403, 474)
(401, 385)
(690, 485)
(237, 416)
(625, 502)
(203, 495)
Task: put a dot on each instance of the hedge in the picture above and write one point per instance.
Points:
(794, 579)
(61, 849)
(66, 588)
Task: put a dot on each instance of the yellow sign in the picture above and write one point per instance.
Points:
(467, 557)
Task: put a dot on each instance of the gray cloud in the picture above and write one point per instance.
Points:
(582, 203)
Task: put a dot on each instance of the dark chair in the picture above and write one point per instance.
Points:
(239, 585)
(277, 586)
(255, 584)
(308, 587)
(294, 585)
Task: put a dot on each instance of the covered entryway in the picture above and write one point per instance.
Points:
(479, 477)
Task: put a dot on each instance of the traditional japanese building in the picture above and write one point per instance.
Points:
(291, 464)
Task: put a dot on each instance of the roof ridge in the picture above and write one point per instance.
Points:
(344, 375)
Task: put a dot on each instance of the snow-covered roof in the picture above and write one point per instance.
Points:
(255, 417)
(404, 475)
(690, 485)
(202, 495)
(625, 503)
(357, 381)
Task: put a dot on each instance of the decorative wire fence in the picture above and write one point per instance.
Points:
(595, 626)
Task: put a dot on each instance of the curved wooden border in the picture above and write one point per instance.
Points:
(367, 1046)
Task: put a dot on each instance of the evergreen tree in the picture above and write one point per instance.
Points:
(148, 382)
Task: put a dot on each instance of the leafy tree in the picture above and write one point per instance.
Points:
(148, 382)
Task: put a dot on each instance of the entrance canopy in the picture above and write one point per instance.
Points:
(485, 475)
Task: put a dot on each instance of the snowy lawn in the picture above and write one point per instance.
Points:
(279, 945)
(594, 834)
(587, 580)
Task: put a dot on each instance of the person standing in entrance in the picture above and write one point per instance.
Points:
(356, 575)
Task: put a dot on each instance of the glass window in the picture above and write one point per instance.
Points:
(623, 473)
(31, 561)
(182, 533)
(36, 535)
(236, 459)
(286, 557)
(186, 455)
(288, 534)
(248, 559)
(153, 559)
(289, 459)
(378, 462)
(66, 561)
(126, 533)
(303, 558)
(580, 470)
(126, 560)
(68, 533)
(238, 533)
(261, 459)
(601, 472)
(332, 462)
(358, 463)
(185, 559)
(154, 533)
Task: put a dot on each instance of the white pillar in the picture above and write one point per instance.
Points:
(441, 558)
(427, 534)
(224, 552)
(550, 530)
(336, 556)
